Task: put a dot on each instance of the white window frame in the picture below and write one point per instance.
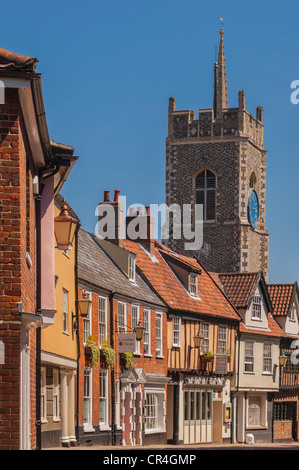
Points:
(87, 323)
(154, 399)
(193, 284)
(147, 331)
(88, 376)
(159, 334)
(251, 343)
(205, 332)
(267, 358)
(132, 267)
(256, 307)
(43, 392)
(104, 397)
(134, 322)
(262, 422)
(122, 325)
(293, 312)
(176, 332)
(56, 396)
(103, 327)
(222, 339)
(117, 404)
(65, 310)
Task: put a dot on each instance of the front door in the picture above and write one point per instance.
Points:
(198, 415)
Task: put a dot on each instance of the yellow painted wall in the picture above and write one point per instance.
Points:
(54, 340)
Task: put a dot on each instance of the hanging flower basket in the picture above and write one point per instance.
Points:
(207, 356)
(107, 355)
(127, 359)
(92, 351)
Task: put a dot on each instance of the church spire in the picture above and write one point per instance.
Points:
(220, 84)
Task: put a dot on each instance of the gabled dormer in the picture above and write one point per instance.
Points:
(248, 293)
(285, 301)
(187, 271)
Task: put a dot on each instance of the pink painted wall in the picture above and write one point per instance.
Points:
(47, 247)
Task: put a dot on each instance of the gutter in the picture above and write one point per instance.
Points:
(77, 333)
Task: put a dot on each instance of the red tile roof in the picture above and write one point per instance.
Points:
(164, 281)
(281, 295)
(11, 61)
(238, 286)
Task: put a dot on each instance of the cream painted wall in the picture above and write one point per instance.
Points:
(54, 339)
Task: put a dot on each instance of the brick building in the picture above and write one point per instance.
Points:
(135, 380)
(218, 160)
(285, 301)
(27, 294)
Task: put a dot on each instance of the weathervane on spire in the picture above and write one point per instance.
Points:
(221, 23)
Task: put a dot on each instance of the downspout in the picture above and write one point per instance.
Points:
(77, 332)
(38, 199)
(111, 297)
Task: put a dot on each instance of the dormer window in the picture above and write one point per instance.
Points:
(257, 307)
(132, 267)
(193, 284)
(293, 312)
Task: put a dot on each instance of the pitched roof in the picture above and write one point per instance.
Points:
(167, 285)
(238, 286)
(11, 61)
(273, 329)
(95, 267)
(281, 296)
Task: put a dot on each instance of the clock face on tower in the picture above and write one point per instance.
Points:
(253, 209)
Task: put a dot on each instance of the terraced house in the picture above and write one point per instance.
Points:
(30, 175)
(201, 333)
(122, 394)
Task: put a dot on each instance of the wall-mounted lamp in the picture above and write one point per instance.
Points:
(139, 331)
(198, 339)
(84, 305)
(282, 360)
(64, 227)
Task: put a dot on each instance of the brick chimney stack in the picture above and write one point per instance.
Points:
(111, 219)
(140, 227)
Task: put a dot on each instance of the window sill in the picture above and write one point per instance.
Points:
(148, 355)
(250, 373)
(256, 427)
(256, 319)
(154, 431)
(159, 357)
(88, 428)
(104, 427)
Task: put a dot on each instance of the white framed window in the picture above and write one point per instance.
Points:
(43, 393)
(154, 408)
(222, 339)
(147, 331)
(256, 307)
(248, 356)
(87, 321)
(176, 331)
(102, 320)
(104, 398)
(56, 395)
(65, 311)
(122, 317)
(117, 404)
(256, 411)
(87, 410)
(205, 332)
(267, 358)
(293, 312)
(159, 334)
(135, 320)
(193, 284)
(132, 267)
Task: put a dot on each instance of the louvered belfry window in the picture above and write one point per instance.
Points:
(205, 187)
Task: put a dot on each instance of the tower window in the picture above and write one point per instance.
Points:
(205, 189)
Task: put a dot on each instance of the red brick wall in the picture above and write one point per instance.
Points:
(17, 281)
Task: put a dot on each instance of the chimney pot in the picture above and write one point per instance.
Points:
(106, 196)
(148, 210)
(116, 195)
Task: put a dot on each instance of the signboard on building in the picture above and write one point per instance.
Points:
(221, 365)
(126, 342)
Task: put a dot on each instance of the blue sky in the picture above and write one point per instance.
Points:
(109, 68)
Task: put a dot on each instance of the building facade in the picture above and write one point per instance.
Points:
(218, 160)
(198, 393)
(121, 379)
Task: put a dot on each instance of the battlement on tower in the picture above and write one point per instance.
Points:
(231, 122)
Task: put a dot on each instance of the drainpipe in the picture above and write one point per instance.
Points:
(111, 297)
(77, 332)
(38, 330)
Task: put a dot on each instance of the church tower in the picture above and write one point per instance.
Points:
(218, 160)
